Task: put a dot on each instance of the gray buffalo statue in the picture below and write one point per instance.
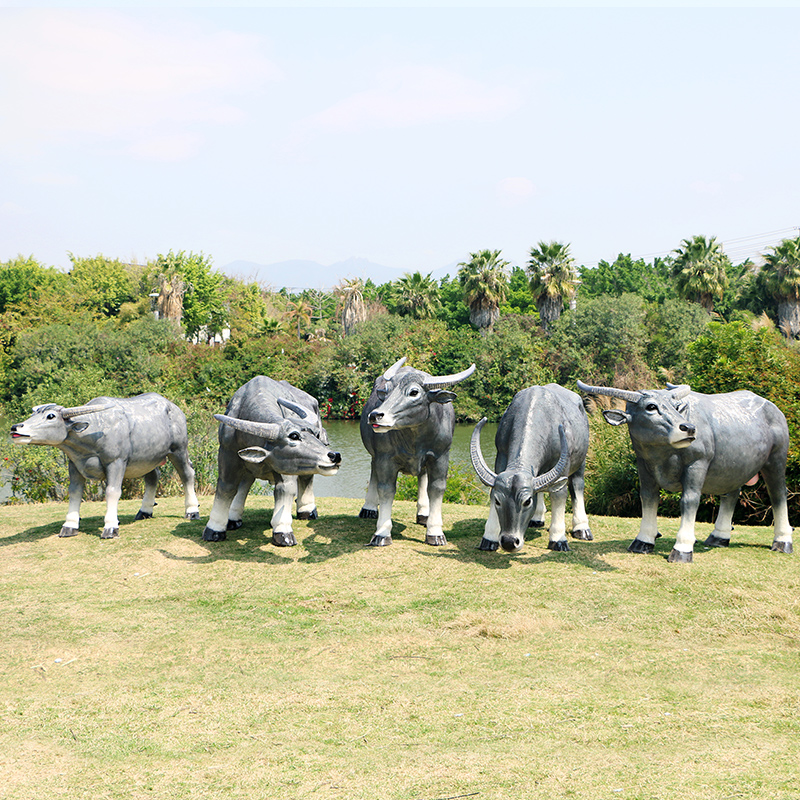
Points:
(407, 426)
(542, 436)
(698, 444)
(111, 439)
(272, 431)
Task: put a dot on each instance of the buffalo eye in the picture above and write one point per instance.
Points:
(526, 502)
(413, 393)
(295, 436)
(497, 502)
(51, 416)
(651, 407)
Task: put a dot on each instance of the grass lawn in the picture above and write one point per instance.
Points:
(157, 665)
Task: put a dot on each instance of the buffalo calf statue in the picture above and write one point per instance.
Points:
(407, 426)
(111, 439)
(698, 444)
(272, 431)
(542, 436)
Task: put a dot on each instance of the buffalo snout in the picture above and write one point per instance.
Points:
(336, 458)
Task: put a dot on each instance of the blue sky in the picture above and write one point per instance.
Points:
(409, 136)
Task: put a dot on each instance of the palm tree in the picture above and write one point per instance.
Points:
(416, 295)
(553, 279)
(781, 275)
(700, 270)
(354, 309)
(484, 280)
(300, 312)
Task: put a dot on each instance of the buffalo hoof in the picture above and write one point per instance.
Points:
(435, 539)
(283, 539)
(679, 557)
(584, 534)
(308, 514)
(234, 524)
(716, 541)
(488, 544)
(192, 515)
(422, 519)
(109, 533)
(210, 535)
(143, 515)
(638, 546)
(782, 547)
(561, 546)
(536, 523)
(379, 541)
(368, 513)
(66, 532)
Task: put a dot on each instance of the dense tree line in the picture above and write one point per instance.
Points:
(177, 326)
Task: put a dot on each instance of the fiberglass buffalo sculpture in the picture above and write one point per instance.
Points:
(702, 444)
(112, 439)
(542, 436)
(258, 440)
(407, 426)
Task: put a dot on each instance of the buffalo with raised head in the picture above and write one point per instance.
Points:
(542, 436)
(698, 444)
(110, 439)
(407, 426)
(272, 431)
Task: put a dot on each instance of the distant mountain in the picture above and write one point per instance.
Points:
(300, 274)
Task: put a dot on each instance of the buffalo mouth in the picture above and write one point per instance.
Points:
(15, 436)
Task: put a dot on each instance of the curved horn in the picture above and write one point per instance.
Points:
(622, 394)
(540, 481)
(679, 391)
(265, 430)
(392, 371)
(299, 410)
(478, 462)
(440, 381)
(76, 411)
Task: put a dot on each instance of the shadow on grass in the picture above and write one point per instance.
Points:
(90, 526)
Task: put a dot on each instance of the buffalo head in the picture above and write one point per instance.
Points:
(51, 424)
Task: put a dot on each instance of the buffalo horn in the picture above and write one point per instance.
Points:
(440, 381)
(299, 410)
(679, 391)
(622, 394)
(76, 411)
(541, 481)
(265, 430)
(478, 462)
(393, 370)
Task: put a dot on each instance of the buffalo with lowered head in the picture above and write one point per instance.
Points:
(697, 444)
(407, 426)
(271, 430)
(542, 436)
(110, 439)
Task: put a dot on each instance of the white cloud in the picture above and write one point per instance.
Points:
(416, 95)
(101, 74)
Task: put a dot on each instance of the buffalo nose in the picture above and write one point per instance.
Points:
(510, 543)
(375, 416)
(690, 429)
(336, 458)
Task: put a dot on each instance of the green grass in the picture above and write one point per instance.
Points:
(161, 666)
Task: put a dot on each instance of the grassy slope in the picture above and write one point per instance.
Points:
(160, 666)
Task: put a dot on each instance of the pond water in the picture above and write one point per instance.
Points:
(353, 477)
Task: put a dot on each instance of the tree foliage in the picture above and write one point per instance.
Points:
(484, 281)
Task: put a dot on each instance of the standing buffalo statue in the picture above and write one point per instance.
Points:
(112, 439)
(407, 426)
(258, 440)
(697, 444)
(542, 436)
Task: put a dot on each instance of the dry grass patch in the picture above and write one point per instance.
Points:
(161, 666)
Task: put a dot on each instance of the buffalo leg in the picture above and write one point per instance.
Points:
(558, 524)
(491, 531)
(386, 487)
(229, 478)
(149, 499)
(645, 540)
(115, 472)
(537, 520)
(285, 493)
(77, 484)
(775, 478)
(237, 504)
(370, 508)
(423, 500)
(690, 502)
(183, 466)
(306, 502)
(437, 483)
(580, 522)
(723, 525)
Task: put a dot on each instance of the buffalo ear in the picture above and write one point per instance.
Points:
(615, 416)
(77, 427)
(255, 455)
(441, 396)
